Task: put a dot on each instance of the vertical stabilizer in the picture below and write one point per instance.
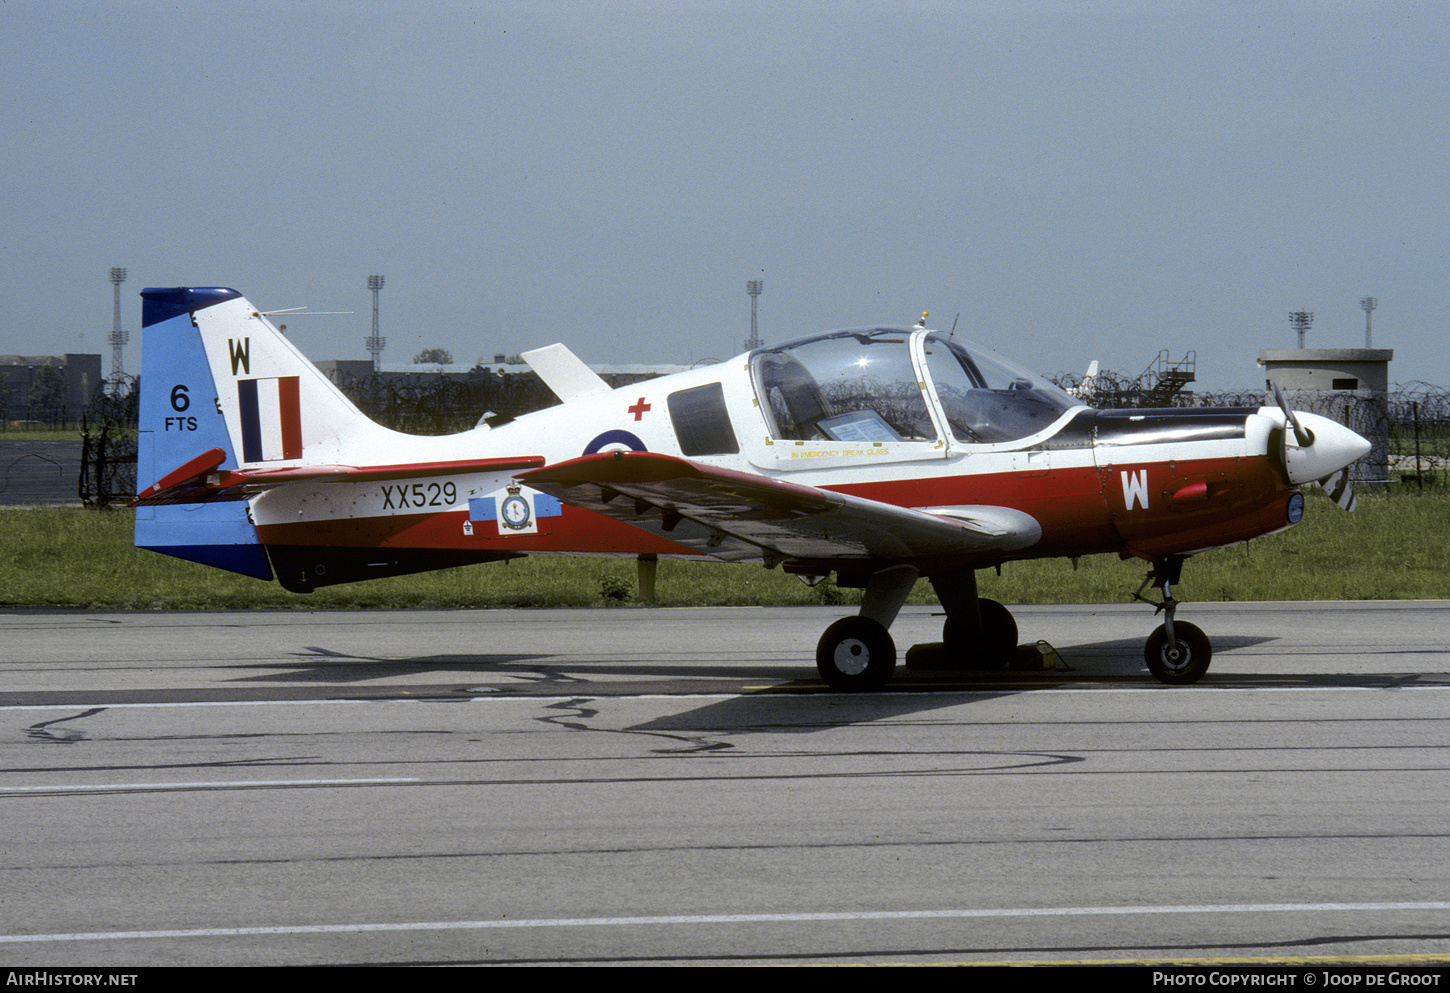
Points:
(180, 420)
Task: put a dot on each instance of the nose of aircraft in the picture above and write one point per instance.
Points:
(1332, 446)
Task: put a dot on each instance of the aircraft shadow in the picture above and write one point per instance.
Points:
(332, 667)
(775, 696)
(1118, 657)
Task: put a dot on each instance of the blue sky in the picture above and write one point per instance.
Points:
(1077, 180)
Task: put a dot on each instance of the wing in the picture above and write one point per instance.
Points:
(737, 516)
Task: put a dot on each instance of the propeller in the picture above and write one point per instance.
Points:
(1302, 435)
(1301, 465)
(1340, 489)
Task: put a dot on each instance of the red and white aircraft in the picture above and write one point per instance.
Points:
(881, 455)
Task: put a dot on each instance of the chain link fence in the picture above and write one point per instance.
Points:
(108, 445)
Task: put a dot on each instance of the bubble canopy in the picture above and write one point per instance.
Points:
(883, 384)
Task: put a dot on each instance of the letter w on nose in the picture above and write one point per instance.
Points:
(1135, 488)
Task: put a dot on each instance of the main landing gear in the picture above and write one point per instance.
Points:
(857, 653)
(1177, 653)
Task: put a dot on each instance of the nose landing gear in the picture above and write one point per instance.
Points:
(1176, 653)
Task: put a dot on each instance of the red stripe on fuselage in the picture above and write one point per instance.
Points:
(1085, 510)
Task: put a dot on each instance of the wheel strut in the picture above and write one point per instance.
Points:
(1162, 577)
(1175, 654)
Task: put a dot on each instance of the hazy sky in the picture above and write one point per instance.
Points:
(1079, 180)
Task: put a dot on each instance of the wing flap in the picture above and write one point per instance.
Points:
(738, 516)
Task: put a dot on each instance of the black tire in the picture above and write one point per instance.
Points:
(997, 645)
(856, 655)
(1181, 666)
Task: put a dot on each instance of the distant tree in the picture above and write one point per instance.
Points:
(47, 393)
(433, 356)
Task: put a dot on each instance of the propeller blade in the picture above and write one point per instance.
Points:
(1340, 489)
(1302, 435)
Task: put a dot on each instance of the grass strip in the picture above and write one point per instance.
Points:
(1392, 548)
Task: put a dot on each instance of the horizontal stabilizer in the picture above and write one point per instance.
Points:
(186, 476)
(196, 481)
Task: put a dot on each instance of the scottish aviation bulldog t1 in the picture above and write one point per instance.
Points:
(879, 455)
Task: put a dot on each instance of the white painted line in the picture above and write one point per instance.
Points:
(195, 703)
(881, 915)
(373, 703)
(996, 691)
(220, 784)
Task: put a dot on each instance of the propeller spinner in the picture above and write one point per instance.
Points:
(1317, 449)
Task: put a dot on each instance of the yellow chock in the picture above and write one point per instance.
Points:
(1048, 657)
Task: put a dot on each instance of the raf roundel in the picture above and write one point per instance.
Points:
(615, 440)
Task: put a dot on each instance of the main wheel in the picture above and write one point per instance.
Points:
(998, 641)
(1181, 665)
(856, 654)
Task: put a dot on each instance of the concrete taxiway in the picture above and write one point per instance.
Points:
(640, 785)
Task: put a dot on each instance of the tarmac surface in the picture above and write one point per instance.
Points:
(39, 472)
(639, 786)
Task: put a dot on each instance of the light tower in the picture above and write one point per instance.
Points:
(374, 343)
(753, 287)
(119, 335)
(1368, 304)
(1301, 319)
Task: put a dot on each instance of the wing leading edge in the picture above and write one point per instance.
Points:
(736, 516)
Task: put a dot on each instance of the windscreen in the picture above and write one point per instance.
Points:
(987, 399)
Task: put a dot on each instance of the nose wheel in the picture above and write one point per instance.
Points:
(1181, 659)
(1176, 653)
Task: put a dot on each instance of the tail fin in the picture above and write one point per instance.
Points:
(222, 389)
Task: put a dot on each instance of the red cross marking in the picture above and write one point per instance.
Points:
(638, 409)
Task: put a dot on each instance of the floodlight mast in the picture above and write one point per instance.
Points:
(375, 344)
(753, 287)
(1368, 304)
(119, 335)
(1301, 320)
